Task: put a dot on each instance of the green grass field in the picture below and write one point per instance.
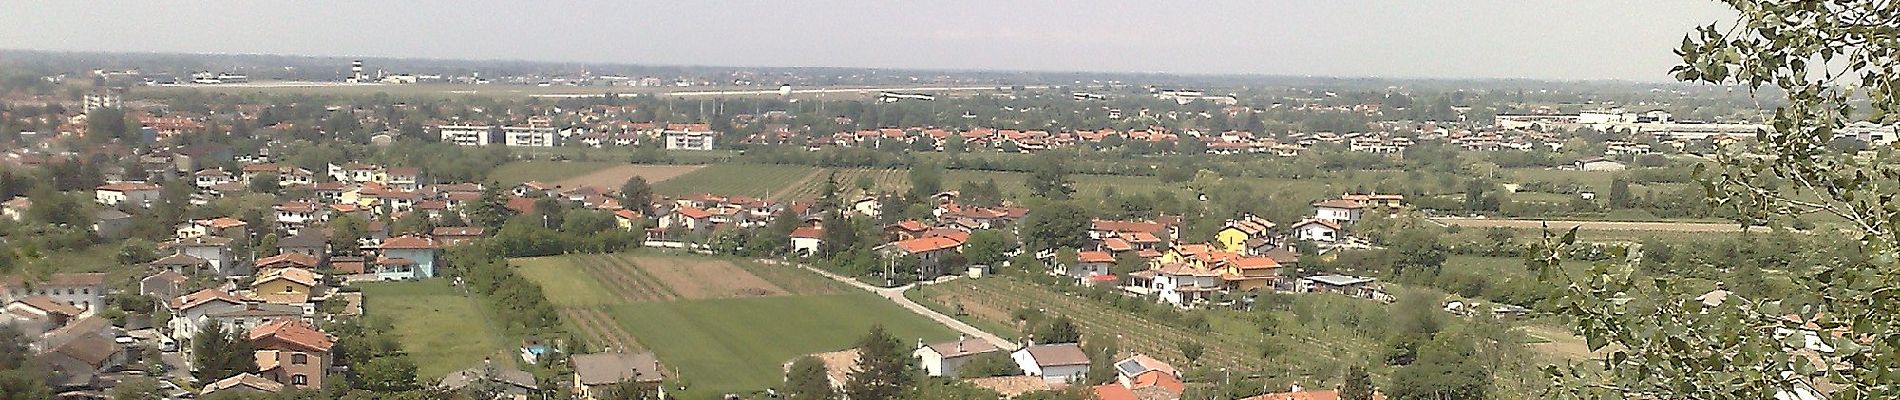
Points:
(740, 345)
(756, 180)
(443, 330)
(546, 171)
(721, 344)
(556, 275)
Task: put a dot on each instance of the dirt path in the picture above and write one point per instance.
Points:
(1593, 225)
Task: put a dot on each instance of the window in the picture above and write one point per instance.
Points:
(299, 359)
(299, 380)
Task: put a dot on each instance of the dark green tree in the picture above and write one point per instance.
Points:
(806, 380)
(637, 195)
(883, 370)
(490, 211)
(219, 354)
(1358, 385)
(1050, 177)
(1056, 226)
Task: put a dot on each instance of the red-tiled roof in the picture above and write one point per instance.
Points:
(1095, 257)
(927, 244)
(203, 296)
(295, 332)
(808, 233)
(408, 242)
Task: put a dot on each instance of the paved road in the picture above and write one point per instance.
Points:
(896, 295)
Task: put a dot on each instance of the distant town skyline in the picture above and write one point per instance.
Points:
(1620, 39)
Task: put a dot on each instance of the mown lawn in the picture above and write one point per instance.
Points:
(562, 282)
(740, 345)
(441, 329)
(546, 171)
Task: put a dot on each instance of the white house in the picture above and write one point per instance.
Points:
(943, 359)
(466, 135)
(528, 136)
(1339, 211)
(214, 250)
(689, 141)
(190, 312)
(85, 291)
(1599, 164)
(805, 241)
(1181, 284)
(212, 177)
(1055, 363)
(1317, 230)
(136, 193)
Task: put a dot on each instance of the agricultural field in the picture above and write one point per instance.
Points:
(546, 171)
(442, 328)
(995, 299)
(725, 325)
(612, 177)
(756, 180)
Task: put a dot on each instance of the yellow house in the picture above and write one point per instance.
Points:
(1249, 273)
(1195, 255)
(1234, 237)
(285, 285)
(627, 219)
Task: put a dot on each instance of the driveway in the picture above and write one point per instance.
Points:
(896, 295)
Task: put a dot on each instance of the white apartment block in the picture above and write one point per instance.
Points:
(466, 135)
(689, 141)
(522, 136)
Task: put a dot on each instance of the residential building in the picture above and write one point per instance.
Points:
(1236, 236)
(420, 252)
(512, 384)
(594, 373)
(807, 240)
(931, 253)
(943, 359)
(85, 291)
(1347, 285)
(1598, 164)
(524, 136)
(1142, 378)
(139, 194)
(292, 352)
(1317, 230)
(242, 383)
(690, 140)
(467, 135)
(1055, 363)
(216, 251)
(1339, 211)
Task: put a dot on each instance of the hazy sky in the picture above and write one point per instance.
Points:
(1588, 39)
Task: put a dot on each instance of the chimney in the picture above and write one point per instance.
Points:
(920, 343)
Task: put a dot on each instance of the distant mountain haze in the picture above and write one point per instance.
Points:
(1566, 40)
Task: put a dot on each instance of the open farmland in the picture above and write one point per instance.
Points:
(994, 299)
(605, 175)
(442, 328)
(612, 177)
(756, 180)
(702, 315)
